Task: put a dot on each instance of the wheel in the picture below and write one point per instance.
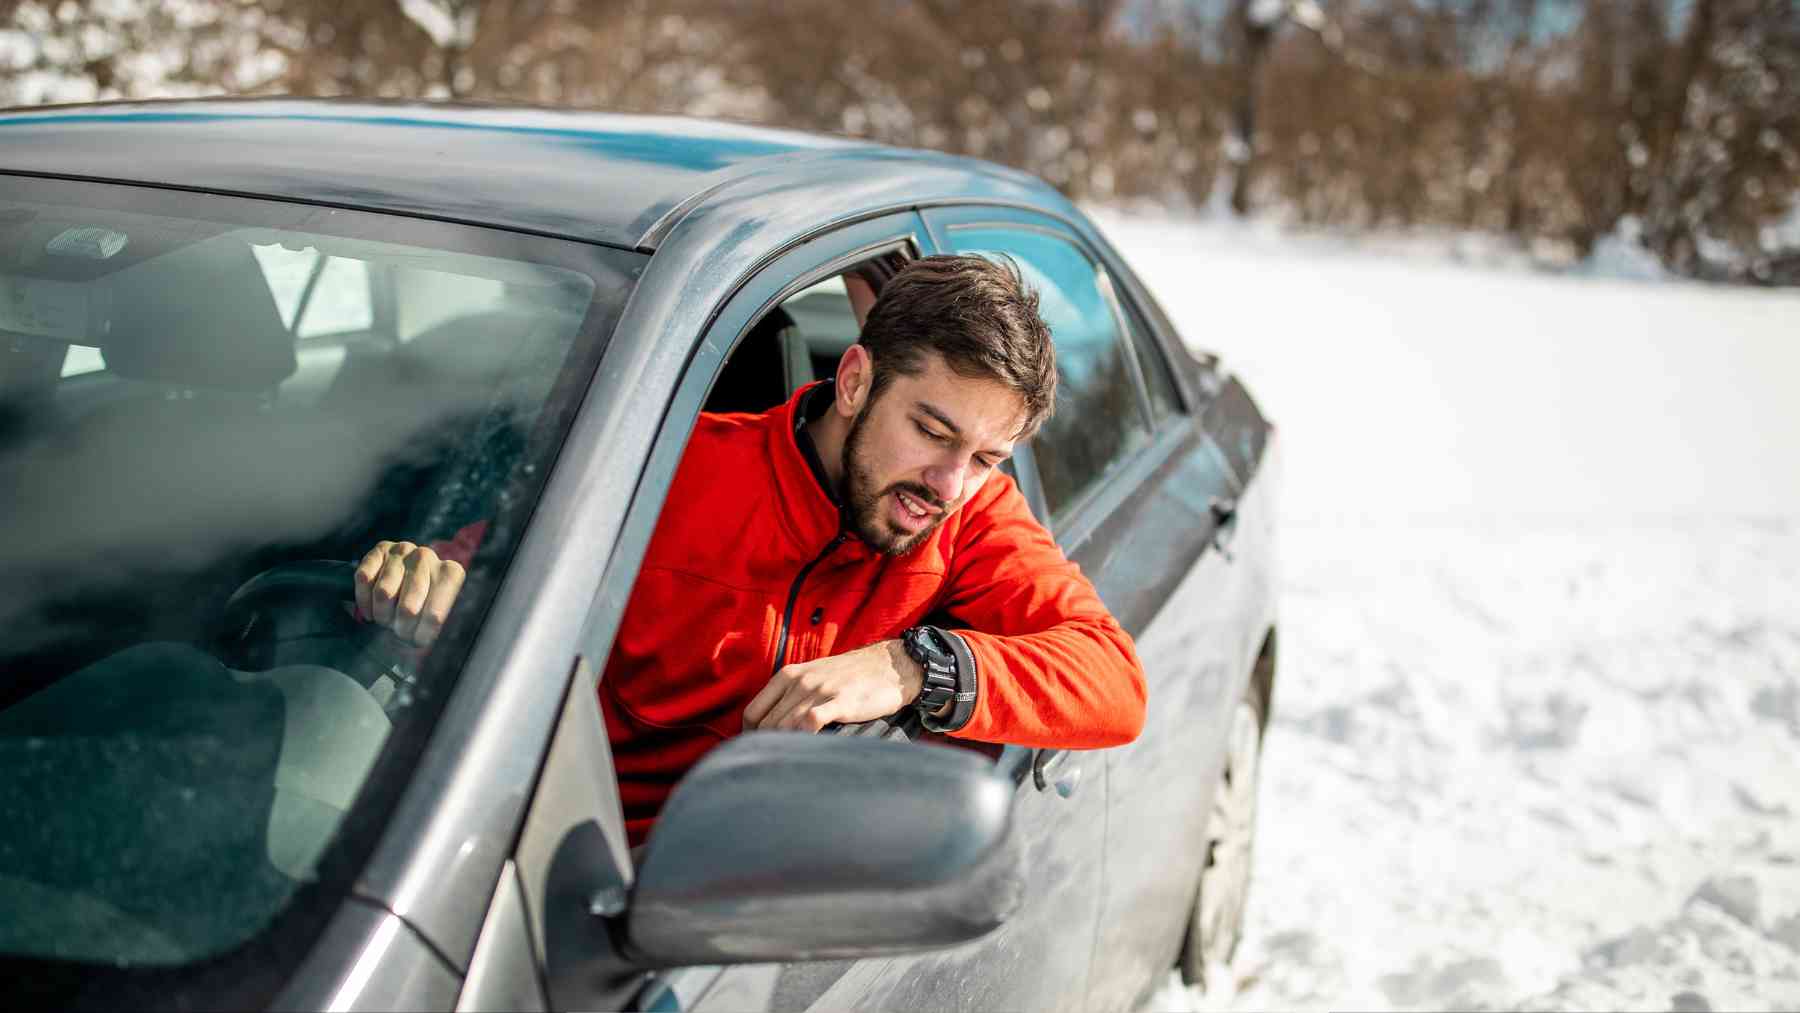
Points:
(1217, 922)
(296, 612)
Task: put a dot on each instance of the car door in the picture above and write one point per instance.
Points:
(1038, 960)
(1201, 631)
(1135, 491)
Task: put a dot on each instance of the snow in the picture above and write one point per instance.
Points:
(1620, 255)
(1537, 721)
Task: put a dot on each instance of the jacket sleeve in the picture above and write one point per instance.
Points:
(462, 545)
(1053, 668)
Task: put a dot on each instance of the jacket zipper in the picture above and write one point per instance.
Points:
(787, 617)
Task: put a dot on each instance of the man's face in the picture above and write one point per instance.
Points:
(920, 449)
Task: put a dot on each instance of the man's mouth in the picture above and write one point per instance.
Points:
(912, 510)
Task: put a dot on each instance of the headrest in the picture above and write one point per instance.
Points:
(755, 377)
(199, 316)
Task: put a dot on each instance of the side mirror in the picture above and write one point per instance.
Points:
(782, 847)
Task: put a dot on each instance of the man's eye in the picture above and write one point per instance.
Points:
(933, 437)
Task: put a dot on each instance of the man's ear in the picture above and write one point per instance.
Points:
(855, 373)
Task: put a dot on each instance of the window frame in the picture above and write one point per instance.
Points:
(1146, 313)
(1137, 336)
(776, 277)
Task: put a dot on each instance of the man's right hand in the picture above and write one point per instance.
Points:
(408, 589)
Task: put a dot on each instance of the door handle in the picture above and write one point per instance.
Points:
(1053, 768)
(1224, 514)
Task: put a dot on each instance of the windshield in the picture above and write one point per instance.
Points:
(209, 408)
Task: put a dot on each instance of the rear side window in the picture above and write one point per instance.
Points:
(82, 360)
(424, 299)
(1159, 383)
(1099, 420)
(316, 294)
(340, 302)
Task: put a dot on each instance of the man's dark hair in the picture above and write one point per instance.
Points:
(979, 315)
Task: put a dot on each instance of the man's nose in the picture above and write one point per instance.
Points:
(945, 479)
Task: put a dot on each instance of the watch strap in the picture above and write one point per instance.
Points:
(962, 707)
(927, 646)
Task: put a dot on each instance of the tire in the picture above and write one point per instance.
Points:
(1216, 924)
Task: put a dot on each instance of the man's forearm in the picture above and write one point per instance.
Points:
(1077, 685)
(861, 685)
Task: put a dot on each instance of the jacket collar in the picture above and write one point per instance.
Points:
(813, 404)
(808, 514)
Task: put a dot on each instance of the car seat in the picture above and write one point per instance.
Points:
(179, 481)
(174, 803)
(767, 366)
(197, 437)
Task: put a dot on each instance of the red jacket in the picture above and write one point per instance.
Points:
(746, 515)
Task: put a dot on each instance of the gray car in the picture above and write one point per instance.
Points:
(242, 341)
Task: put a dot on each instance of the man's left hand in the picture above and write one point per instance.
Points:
(862, 685)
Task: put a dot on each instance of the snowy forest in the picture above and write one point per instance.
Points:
(1675, 123)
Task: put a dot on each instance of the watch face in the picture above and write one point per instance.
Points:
(925, 646)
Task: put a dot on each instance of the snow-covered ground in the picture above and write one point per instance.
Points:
(1537, 726)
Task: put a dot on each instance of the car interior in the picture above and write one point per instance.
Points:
(184, 701)
(208, 423)
(796, 342)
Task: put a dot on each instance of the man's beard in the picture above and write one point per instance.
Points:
(865, 507)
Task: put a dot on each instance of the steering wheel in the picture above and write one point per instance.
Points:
(301, 612)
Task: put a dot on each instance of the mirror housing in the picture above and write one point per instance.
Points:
(781, 846)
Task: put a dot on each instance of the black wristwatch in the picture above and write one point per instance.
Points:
(930, 647)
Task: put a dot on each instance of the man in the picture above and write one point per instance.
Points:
(802, 553)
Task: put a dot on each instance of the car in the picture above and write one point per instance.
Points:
(245, 339)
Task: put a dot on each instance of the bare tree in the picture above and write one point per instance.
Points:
(1727, 146)
(1249, 31)
(1490, 114)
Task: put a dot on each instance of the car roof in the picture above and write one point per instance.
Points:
(615, 179)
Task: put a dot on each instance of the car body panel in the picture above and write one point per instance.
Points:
(621, 180)
(1167, 775)
(589, 176)
(503, 973)
(1039, 960)
(375, 962)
